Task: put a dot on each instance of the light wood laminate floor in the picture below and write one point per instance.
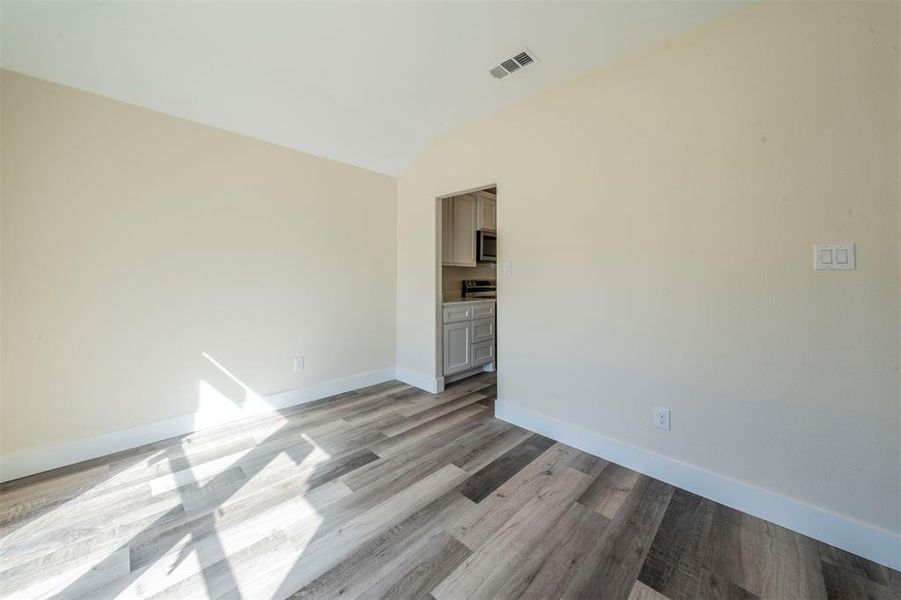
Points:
(390, 492)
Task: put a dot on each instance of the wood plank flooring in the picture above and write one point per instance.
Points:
(390, 492)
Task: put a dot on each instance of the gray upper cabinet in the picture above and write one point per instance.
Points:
(458, 230)
(447, 231)
(487, 211)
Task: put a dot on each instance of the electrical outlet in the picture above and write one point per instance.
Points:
(298, 364)
(661, 418)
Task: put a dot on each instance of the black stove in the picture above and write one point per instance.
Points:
(479, 288)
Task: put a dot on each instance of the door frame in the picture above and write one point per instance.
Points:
(439, 283)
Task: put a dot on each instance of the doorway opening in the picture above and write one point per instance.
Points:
(467, 291)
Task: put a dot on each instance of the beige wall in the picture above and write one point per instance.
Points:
(132, 242)
(678, 194)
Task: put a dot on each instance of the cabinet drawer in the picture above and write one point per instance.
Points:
(482, 330)
(482, 353)
(457, 312)
(483, 310)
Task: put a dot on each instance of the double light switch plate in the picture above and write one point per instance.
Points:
(833, 257)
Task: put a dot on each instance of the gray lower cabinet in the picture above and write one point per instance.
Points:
(469, 335)
(457, 347)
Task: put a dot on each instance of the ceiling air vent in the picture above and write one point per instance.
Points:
(523, 59)
(511, 65)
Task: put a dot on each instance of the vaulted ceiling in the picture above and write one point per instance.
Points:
(363, 83)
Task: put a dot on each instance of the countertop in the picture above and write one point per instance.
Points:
(458, 300)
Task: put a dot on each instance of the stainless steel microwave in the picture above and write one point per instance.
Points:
(487, 246)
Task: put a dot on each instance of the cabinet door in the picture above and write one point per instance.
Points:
(465, 230)
(457, 347)
(447, 231)
(487, 213)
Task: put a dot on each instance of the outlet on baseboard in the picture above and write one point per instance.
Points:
(661, 418)
(298, 364)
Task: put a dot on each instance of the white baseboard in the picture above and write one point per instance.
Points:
(420, 380)
(45, 458)
(864, 540)
(329, 388)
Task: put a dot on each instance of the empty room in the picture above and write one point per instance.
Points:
(450, 300)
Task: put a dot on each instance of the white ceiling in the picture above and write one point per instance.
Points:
(363, 83)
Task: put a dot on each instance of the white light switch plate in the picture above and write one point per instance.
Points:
(661, 418)
(833, 257)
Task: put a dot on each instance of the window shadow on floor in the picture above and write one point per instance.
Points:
(197, 496)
